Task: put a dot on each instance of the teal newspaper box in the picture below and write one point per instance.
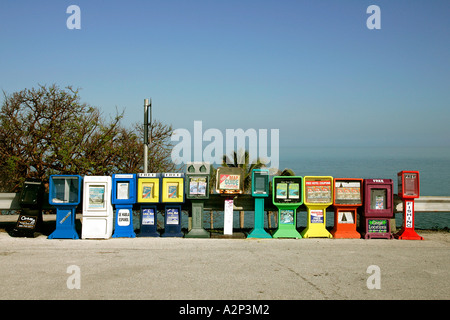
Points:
(260, 190)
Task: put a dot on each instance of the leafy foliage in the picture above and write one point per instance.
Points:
(48, 131)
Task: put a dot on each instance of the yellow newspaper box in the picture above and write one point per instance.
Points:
(148, 188)
(317, 196)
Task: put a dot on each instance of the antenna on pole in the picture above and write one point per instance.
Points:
(146, 105)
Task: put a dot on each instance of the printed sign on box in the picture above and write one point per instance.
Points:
(172, 216)
(316, 216)
(229, 181)
(148, 216)
(287, 216)
(124, 217)
(378, 226)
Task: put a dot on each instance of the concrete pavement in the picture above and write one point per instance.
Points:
(178, 268)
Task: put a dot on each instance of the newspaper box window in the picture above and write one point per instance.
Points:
(65, 196)
(229, 183)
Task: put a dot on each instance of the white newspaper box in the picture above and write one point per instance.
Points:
(97, 208)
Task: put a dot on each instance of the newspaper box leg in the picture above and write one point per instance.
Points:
(149, 218)
(258, 231)
(124, 222)
(377, 228)
(287, 224)
(316, 224)
(172, 222)
(197, 230)
(345, 224)
(65, 224)
(407, 232)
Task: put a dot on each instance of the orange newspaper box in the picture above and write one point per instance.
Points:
(347, 197)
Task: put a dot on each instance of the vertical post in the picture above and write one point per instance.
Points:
(407, 232)
(228, 216)
(212, 220)
(146, 104)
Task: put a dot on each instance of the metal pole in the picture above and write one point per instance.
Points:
(150, 124)
(146, 135)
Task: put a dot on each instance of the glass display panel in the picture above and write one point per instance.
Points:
(348, 192)
(260, 184)
(378, 199)
(65, 190)
(96, 197)
(148, 190)
(318, 191)
(172, 190)
(411, 184)
(123, 190)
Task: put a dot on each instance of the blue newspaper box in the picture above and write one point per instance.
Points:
(172, 192)
(148, 196)
(123, 198)
(65, 196)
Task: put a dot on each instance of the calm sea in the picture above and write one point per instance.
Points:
(433, 163)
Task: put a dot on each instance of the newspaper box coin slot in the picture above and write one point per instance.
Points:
(30, 217)
(148, 196)
(377, 208)
(287, 196)
(172, 196)
(260, 190)
(65, 196)
(123, 199)
(98, 213)
(229, 183)
(408, 190)
(318, 195)
(197, 190)
(347, 197)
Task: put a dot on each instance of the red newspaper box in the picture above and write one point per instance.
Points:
(378, 208)
(408, 190)
(347, 197)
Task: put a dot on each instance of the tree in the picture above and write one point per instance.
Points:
(160, 148)
(241, 159)
(48, 131)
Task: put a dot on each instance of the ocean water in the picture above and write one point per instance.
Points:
(433, 163)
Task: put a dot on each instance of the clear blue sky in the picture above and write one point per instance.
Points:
(309, 68)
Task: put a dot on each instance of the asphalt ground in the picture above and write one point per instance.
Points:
(225, 269)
